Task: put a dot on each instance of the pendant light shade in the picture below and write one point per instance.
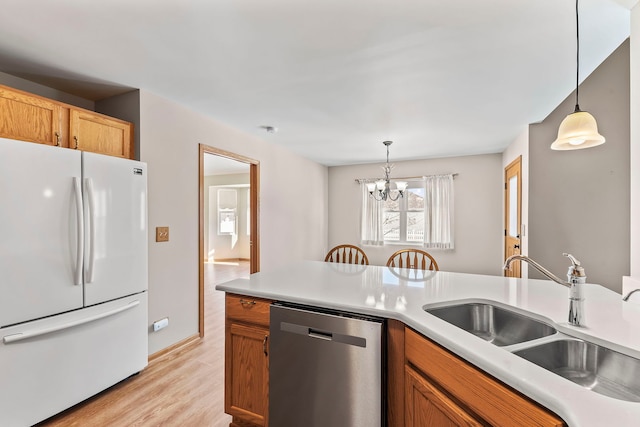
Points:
(578, 130)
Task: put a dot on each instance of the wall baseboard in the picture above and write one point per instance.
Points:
(180, 345)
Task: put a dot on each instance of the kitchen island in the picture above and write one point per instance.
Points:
(401, 295)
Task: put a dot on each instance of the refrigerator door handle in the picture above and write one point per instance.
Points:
(80, 234)
(92, 229)
(38, 332)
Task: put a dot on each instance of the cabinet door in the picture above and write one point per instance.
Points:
(30, 118)
(427, 406)
(100, 134)
(247, 373)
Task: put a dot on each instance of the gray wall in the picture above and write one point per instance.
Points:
(477, 206)
(47, 92)
(124, 107)
(579, 200)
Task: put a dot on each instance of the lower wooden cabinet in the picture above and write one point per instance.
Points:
(426, 405)
(247, 360)
(440, 384)
(426, 384)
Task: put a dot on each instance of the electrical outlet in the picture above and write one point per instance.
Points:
(162, 234)
(160, 324)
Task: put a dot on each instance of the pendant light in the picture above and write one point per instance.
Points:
(579, 129)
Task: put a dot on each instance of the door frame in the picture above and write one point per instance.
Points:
(254, 226)
(508, 171)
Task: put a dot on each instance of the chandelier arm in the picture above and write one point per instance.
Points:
(378, 197)
(396, 198)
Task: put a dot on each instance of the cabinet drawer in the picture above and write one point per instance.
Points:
(248, 309)
(490, 399)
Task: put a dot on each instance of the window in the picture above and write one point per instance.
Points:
(424, 216)
(404, 219)
(227, 211)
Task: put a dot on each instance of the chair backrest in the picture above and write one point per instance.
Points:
(347, 254)
(413, 258)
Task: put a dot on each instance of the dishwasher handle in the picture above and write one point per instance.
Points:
(316, 333)
(323, 335)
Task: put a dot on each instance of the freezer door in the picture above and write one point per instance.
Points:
(39, 241)
(51, 364)
(115, 193)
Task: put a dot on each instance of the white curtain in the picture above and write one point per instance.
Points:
(371, 219)
(438, 228)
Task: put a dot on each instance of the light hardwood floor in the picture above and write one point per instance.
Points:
(184, 388)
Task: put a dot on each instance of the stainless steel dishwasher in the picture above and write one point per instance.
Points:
(325, 368)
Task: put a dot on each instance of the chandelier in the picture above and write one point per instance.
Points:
(381, 189)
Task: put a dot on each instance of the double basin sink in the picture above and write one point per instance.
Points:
(587, 364)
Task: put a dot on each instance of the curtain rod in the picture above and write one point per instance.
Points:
(361, 180)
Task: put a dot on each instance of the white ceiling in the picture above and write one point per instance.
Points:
(336, 77)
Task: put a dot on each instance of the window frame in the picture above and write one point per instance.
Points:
(403, 210)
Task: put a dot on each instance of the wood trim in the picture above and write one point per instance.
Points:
(509, 243)
(201, 153)
(395, 373)
(489, 398)
(254, 200)
(237, 422)
(180, 345)
(254, 196)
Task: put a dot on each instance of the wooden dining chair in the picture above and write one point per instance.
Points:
(347, 254)
(413, 258)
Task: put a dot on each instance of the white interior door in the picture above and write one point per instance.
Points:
(116, 227)
(38, 231)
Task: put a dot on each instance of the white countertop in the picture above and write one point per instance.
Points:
(378, 291)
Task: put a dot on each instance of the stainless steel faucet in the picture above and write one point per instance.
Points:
(575, 277)
(626, 297)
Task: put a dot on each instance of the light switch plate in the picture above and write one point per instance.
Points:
(162, 234)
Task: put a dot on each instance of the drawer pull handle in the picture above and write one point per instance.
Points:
(76, 139)
(245, 302)
(57, 139)
(264, 345)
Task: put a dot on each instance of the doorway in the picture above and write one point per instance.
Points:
(229, 224)
(513, 214)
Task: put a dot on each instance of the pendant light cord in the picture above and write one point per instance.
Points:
(577, 59)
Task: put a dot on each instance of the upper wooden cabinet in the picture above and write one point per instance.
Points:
(32, 118)
(97, 133)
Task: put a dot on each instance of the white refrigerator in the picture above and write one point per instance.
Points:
(73, 277)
